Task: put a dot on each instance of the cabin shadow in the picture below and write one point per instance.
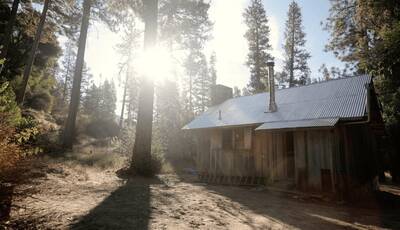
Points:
(304, 213)
(128, 207)
(380, 209)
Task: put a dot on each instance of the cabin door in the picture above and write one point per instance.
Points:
(290, 165)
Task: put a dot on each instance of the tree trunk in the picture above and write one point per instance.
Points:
(66, 80)
(121, 119)
(7, 35)
(32, 53)
(191, 110)
(141, 158)
(69, 131)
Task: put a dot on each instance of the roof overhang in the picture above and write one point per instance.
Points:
(299, 124)
(187, 127)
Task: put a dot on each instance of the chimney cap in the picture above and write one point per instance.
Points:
(271, 63)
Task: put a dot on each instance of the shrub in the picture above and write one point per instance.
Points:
(26, 132)
(17, 133)
(95, 157)
(41, 101)
(143, 166)
(124, 142)
(8, 107)
(10, 152)
(102, 129)
(147, 166)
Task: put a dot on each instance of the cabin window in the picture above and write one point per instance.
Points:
(227, 139)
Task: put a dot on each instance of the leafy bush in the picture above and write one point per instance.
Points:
(27, 131)
(16, 142)
(8, 106)
(102, 129)
(41, 101)
(17, 133)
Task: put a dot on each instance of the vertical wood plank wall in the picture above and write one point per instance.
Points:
(323, 159)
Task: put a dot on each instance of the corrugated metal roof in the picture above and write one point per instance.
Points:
(341, 98)
(328, 122)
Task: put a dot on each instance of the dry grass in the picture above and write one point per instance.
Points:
(97, 157)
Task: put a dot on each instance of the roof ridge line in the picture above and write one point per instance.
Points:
(300, 86)
(323, 118)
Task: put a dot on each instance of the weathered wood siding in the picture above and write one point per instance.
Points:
(301, 161)
(319, 151)
(218, 161)
(323, 160)
(203, 150)
(270, 154)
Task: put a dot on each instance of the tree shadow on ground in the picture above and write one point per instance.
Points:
(310, 214)
(25, 172)
(128, 207)
(381, 209)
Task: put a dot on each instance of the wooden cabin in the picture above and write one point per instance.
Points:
(320, 137)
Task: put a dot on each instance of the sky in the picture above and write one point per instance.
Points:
(228, 40)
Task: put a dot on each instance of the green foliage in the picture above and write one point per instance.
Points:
(168, 123)
(22, 39)
(41, 101)
(366, 33)
(102, 128)
(99, 105)
(27, 131)
(17, 133)
(257, 36)
(100, 102)
(8, 105)
(185, 23)
(197, 89)
(296, 56)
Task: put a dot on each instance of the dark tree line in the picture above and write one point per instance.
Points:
(366, 35)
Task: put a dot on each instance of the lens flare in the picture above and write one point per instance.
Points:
(155, 63)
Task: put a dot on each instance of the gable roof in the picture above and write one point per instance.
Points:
(344, 98)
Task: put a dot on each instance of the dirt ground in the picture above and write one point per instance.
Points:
(78, 197)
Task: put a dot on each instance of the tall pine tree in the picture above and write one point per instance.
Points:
(296, 56)
(69, 131)
(202, 86)
(100, 101)
(213, 68)
(67, 68)
(170, 117)
(257, 36)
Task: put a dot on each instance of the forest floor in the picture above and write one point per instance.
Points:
(62, 195)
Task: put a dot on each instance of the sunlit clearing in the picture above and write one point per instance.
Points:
(155, 64)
